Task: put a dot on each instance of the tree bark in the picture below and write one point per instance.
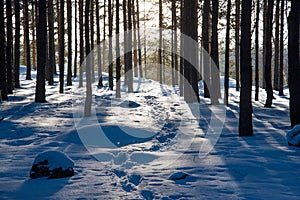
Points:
(227, 49)
(52, 63)
(205, 46)
(81, 41)
(9, 45)
(245, 120)
(88, 100)
(110, 68)
(17, 45)
(237, 44)
(3, 83)
(281, 49)
(27, 42)
(257, 52)
(99, 58)
(69, 22)
(41, 52)
(118, 60)
(61, 39)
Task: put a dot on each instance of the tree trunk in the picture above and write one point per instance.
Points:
(237, 44)
(61, 39)
(276, 45)
(191, 90)
(76, 40)
(294, 66)
(160, 42)
(69, 22)
(81, 41)
(129, 49)
(9, 45)
(245, 120)
(33, 25)
(41, 51)
(268, 59)
(257, 52)
(17, 45)
(92, 40)
(3, 83)
(118, 60)
(281, 49)
(139, 39)
(135, 48)
(52, 63)
(110, 61)
(27, 42)
(205, 46)
(88, 100)
(99, 59)
(182, 27)
(227, 49)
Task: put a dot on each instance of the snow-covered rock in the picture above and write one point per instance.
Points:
(293, 136)
(52, 164)
(178, 176)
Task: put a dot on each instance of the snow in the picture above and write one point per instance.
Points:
(293, 136)
(130, 152)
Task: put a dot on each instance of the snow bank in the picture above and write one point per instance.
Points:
(293, 136)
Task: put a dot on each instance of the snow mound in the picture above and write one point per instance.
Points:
(52, 164)
(293, 136)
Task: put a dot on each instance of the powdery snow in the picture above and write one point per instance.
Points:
(149, 143)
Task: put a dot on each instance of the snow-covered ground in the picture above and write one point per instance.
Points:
(147, 145)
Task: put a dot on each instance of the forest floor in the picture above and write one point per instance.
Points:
(146, 145)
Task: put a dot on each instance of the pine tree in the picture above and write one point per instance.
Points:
(17, 45)
(3, 84)
(61, 38)
(69, 32)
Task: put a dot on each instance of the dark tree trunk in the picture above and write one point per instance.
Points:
(227, 49)
(245, 120)
(265, 22)
(52, 63)
(17, 45)
(92, 40)
(268, 59)
(110, 61)
(257, 52)
(61, 39)
(191, 90)
(69, 22)
(3, 83)
(9, 45)
(27, 42)
(76, 40)
(129, 47)
(125, 42)
(281, 49)
(276, 48)
(205, 46)
(118, 60)
(174, 44)
(294, 66)
(88, 100)
(99, 59)
(81, 43)
(182, 27)
(237, 44)
(139, 39)
(135, 48)
(160, 41)
(41, 51)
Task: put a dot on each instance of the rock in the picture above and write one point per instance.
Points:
(52, 164)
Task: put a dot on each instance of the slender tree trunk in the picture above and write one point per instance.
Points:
(104, 36)
(27, 42)
(135, 50)
(205, 46)
(160, 41)
(118, 60)
(110, 68)
(88, 100)
(294, 66)
(265, 22)
(92, 40)
(215, 54)
(182, 27)
(125, 42)
(227, 49)
(139, 39)
(129, 46)
(245, 120)
(3, 83)
(257, 52)
(9, 45)
(237, 44)
(268, 59)
(76, 41)
(33, 25)
(276, 44)
(99, 59)
(61, 39)
(51, 43)
(69, 22)
(281, 49)
(17, 45)
(81, 41)
(174, 44)
(41, 51)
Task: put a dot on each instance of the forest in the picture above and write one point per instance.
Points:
(163, 83)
